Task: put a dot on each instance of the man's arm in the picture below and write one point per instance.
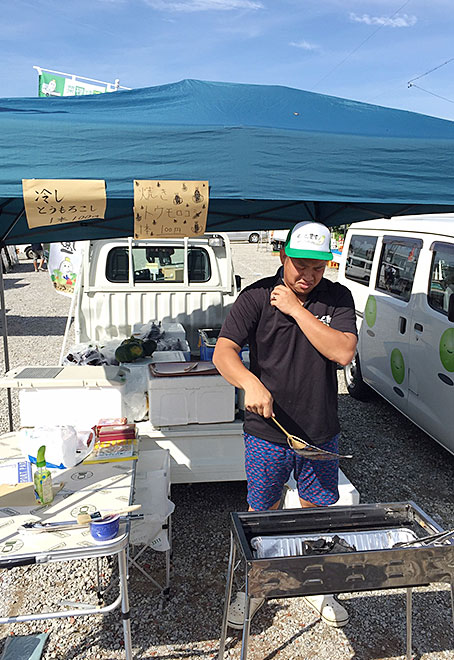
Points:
(227, 361)
(333, 344)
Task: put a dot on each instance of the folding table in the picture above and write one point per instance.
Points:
(86, 488)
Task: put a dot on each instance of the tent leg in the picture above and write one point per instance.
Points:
(5, 344)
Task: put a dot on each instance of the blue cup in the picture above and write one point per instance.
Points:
(105, 528)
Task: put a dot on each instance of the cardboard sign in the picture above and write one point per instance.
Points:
(56, 201)
(165, 209)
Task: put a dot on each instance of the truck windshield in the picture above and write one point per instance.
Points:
(158, 264)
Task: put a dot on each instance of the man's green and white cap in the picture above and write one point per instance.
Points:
(309, 240)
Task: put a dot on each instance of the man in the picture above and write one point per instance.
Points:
(298, 325)
(38, 253)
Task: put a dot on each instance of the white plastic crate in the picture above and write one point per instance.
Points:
(190, 400)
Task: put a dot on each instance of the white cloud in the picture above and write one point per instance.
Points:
(203, 5)
(399, 21)
(305, 45)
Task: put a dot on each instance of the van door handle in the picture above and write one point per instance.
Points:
(418, 327)
(402, 324)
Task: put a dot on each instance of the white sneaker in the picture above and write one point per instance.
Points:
(235, 616)
(331, 611)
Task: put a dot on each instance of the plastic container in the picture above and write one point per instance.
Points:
(178, 400)
(207, 342)
(75, 396)
(105, 529)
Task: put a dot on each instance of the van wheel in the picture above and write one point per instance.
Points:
(254, 238)
(356, 387)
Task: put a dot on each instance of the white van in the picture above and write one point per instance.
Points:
(401, 274)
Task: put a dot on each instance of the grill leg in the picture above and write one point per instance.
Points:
(409, 629)
(247, 622)
(228, 595)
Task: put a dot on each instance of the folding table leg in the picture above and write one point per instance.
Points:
(409, 626)
(125, 613)
(228, 595)
(452, 602)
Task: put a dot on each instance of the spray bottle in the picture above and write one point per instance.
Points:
(43, 479)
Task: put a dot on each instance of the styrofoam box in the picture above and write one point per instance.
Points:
(77, 396)
(190, 399)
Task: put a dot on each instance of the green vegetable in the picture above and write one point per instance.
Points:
(129, 350)
(149, 346)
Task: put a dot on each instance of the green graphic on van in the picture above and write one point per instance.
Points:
(447, 349)
(397, 366)
(370, 311)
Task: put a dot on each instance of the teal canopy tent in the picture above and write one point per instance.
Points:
(272, 155)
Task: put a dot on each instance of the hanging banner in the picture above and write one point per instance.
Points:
(56, 201)
(64, 265)
(164, 209)
(51, 84)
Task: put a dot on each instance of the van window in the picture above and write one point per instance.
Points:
(441, 277)
(359, 259)
(396, 270)
(158, 264)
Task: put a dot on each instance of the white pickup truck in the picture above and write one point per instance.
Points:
(126, 283)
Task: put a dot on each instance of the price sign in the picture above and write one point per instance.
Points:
(164, 209)
(56, 201)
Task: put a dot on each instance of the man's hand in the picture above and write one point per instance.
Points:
(285, 300)
(258, 399)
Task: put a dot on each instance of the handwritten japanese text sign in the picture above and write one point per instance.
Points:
(56, 201)
(170, 208)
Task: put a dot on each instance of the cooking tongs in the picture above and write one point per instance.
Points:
(427, 540)
(303, 448)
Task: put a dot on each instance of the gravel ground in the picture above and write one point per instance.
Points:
(393, 461)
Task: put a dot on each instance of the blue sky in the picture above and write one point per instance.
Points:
(365, 50)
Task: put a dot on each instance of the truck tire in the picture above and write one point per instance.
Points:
(254, 238)
(356, 387)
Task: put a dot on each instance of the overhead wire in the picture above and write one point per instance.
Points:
(430, 71)
(359, 46)
(432, 93)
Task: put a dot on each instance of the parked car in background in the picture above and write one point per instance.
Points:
(255, 236)
(277, 238)
(401, 274)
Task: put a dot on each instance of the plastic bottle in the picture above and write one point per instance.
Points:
(43, 479)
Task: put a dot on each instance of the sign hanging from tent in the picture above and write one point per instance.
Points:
(58, 201)
(163, 209)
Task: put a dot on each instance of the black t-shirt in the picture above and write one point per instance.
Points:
(302, 381)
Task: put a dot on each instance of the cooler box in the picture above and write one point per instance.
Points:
(185, 399)
(70, 395)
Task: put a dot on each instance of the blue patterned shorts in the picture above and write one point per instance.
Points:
(269, 466)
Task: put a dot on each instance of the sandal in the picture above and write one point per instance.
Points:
(235, 617)
(330, 610)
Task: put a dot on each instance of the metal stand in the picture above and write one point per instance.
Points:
(247, 618)
(409, 629)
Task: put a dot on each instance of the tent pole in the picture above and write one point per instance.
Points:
(5, 344)
(71, 311)
(3, 319)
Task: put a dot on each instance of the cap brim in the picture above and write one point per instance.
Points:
(308, 254)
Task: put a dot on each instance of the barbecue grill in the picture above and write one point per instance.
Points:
(272, 544)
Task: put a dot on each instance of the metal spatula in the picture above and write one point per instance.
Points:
(303, 448)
